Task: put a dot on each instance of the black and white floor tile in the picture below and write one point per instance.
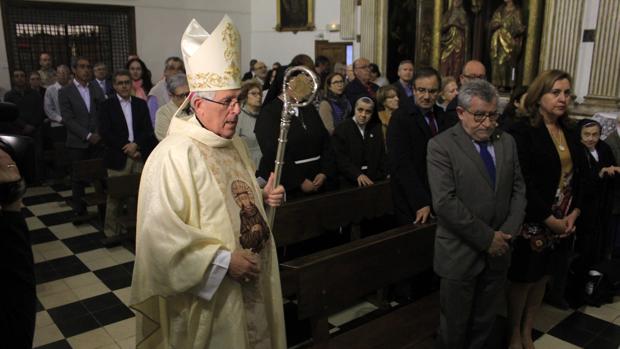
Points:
(83, 290)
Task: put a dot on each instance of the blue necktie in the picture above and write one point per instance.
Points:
(488, 160)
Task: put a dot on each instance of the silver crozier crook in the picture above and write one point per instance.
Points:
(298, 92)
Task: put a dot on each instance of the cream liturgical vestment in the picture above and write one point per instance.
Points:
(198, 195)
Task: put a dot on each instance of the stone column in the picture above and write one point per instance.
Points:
(368, 29)
(561, 36)
(382, 36)
(347, 19)
(436, 43)
(531, 44)
(604, 87)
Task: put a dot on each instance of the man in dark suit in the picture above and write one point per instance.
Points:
(79, 101)
(358, 144)
(479, 198)
(126, 131)
(361, 86)
(407, 136)
(471, 70)
(248, 74)
(100, 71)
(404, 85)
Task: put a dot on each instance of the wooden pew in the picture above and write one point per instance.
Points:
(333, 279)
(310, 217)
(124, 189)
(91, 172)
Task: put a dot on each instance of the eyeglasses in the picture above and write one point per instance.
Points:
(474, 76)
(181, 95)
(228, 102)
(123, 82)
(422, 90)
(481, 116)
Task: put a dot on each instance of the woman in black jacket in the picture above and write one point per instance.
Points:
(551, 162)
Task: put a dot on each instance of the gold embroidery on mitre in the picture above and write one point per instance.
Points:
(232, 73)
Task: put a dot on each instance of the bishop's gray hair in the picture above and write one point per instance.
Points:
(476, 88)
(204, 94)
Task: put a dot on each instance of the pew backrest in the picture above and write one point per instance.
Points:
(307, 218)
(329, 280)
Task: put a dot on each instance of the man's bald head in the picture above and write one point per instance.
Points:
(473, 70)
(361, 69)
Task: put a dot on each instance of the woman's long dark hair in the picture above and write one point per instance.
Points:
(147, 84)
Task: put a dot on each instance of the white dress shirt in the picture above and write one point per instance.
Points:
(126, 106)
(84, 92)
(51, 105)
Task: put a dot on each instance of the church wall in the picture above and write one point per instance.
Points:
(160, 24)
(269, 45)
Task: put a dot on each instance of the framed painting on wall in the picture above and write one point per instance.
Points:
(295, 15)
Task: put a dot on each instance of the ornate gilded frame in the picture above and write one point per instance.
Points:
(308, 26)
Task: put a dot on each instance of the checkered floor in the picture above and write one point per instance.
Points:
(83, 290)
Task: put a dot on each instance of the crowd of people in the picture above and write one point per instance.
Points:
(514, 193)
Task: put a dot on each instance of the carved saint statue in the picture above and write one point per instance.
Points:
(506, 41)
(454, 39)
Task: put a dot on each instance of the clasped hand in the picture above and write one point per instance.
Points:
(499, 244)
(244, 266)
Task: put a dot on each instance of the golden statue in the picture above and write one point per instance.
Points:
(454, 39)
(506, 42)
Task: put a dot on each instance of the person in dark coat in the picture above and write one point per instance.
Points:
(404, 85)
(407, 136)
(17, 319)
(552, 166)
(593, 239)
(126, 130)
(308, 160)
(471, 70)
(361, 86)
(358, 145)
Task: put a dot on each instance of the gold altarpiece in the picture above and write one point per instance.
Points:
(414, 31)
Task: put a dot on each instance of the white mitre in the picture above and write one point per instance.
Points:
(212, 60)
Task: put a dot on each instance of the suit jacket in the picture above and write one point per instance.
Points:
(613, 140)
(78, 120)
(407, 137)
(541, 168)
(449, 115)
(353, 151)
(247, 76)
(356, 90)
(115, 134)
(469, 208)
(109, 90)
(404, 101)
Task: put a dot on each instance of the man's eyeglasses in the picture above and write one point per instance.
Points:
(229, 102)
(481, 116)
(422, 90)
(123, 82)
(181, 95)
(474, 76)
